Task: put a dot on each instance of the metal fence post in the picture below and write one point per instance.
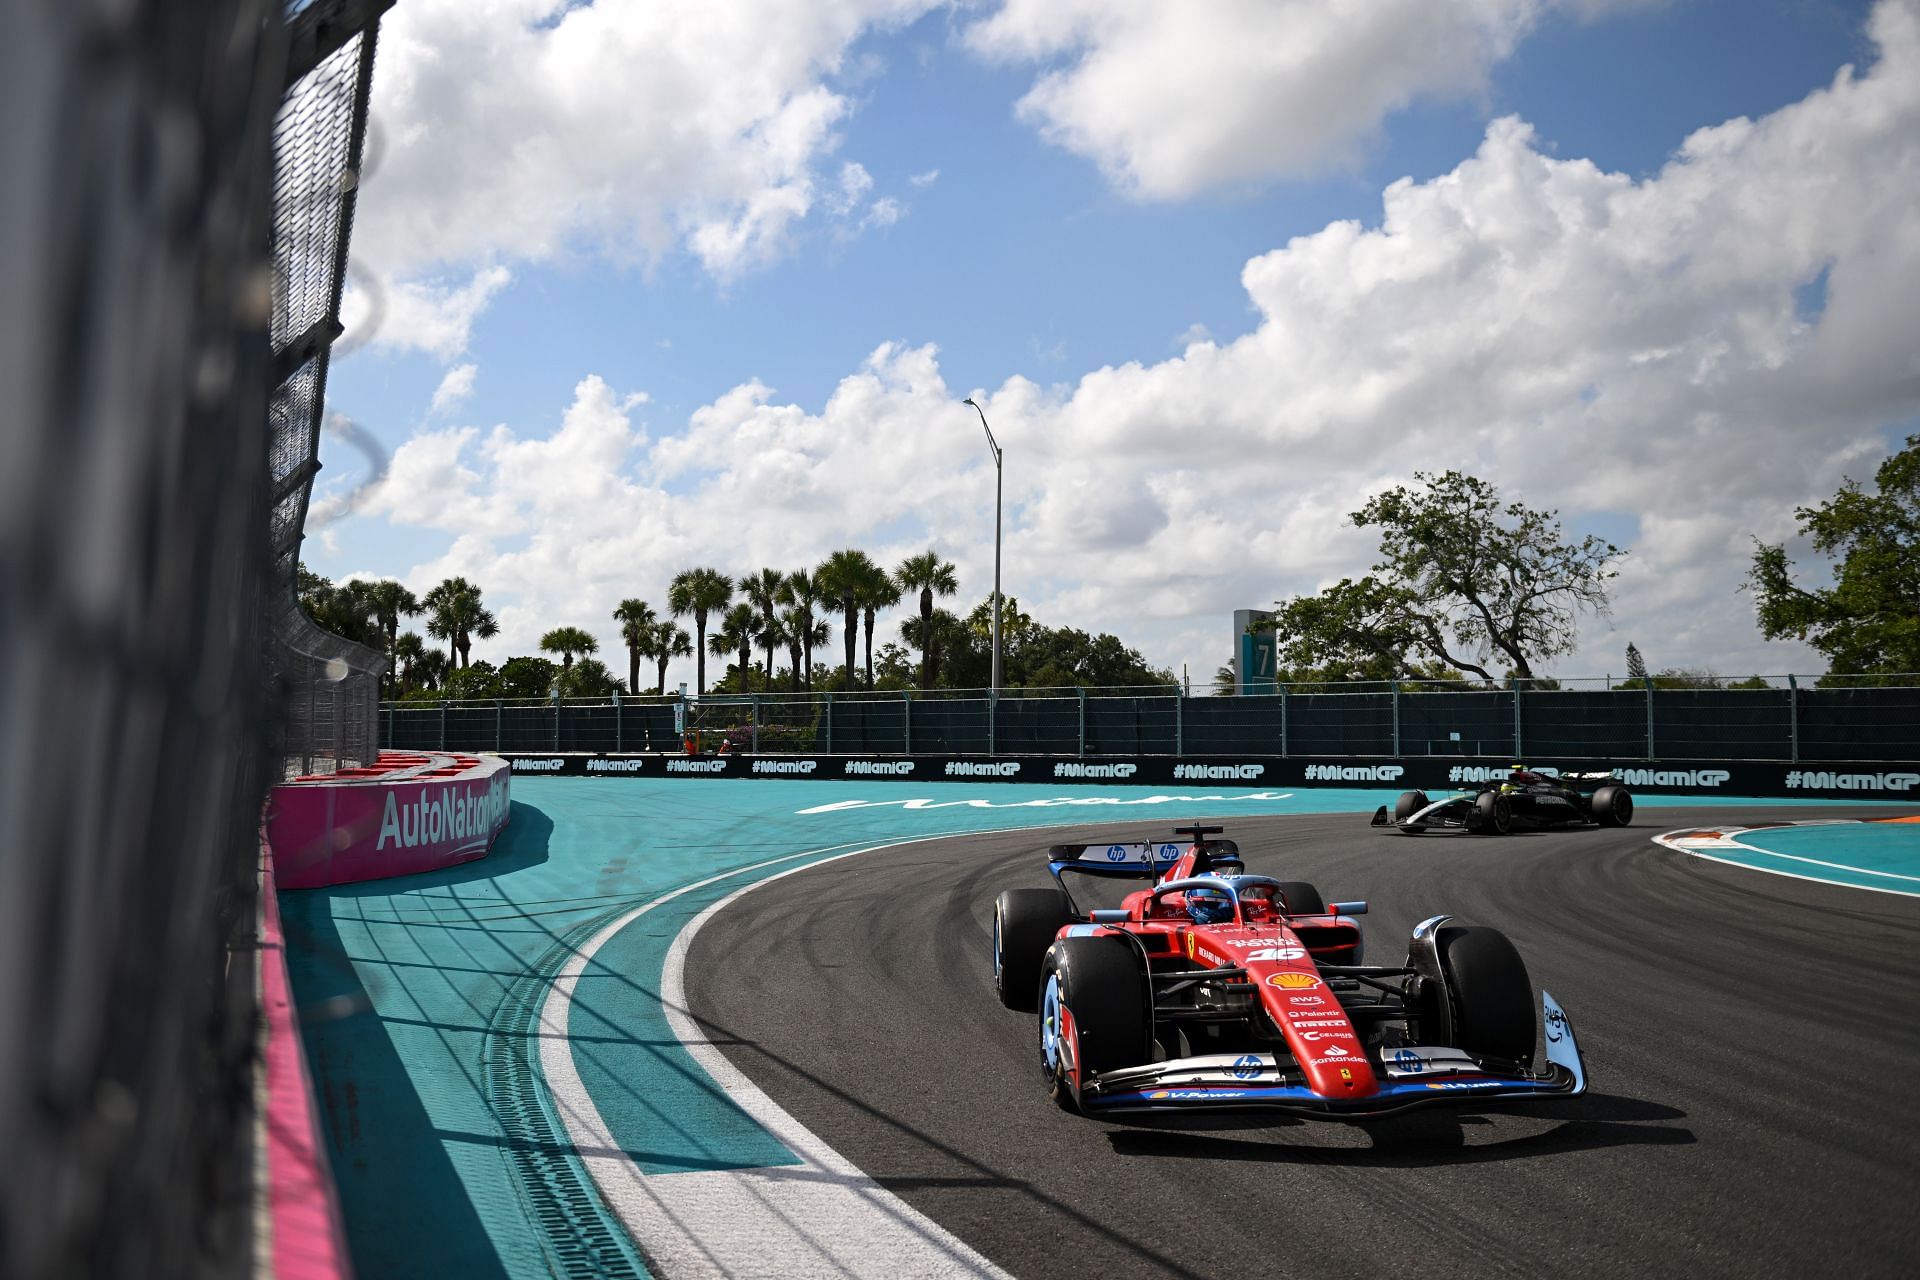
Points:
(1083, 719)
(1396, 717)
(499, 724)
(993, 722)
(1179, 725)
(443, 724)
(619, 723)
(755, 733)
(1282, 689)
(556, 720)
(1647, 681)
(829, 698)
(1519, 739)
(1793, 720)
(906, 722)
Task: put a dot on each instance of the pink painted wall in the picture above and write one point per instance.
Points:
(303, 1238)
(363, 828)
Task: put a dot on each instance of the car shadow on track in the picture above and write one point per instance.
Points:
(1426, 1138)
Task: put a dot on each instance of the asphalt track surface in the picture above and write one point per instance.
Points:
(1752, 1041)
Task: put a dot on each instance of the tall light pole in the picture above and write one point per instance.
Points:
(998, 472)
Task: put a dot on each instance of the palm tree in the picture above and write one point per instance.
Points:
(928, 574)
(878, 591)
(669, 641)
(736, 634)
(842, 577)
(762, 591)
(389, 601)
(802, 592)
(793, 629)
(456, 615)
(405, 653)
(699, 592)
(1225, 683)
(636, 619)
(567, 641)
(430, 668)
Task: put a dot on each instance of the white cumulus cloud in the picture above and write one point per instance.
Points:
(455, 387)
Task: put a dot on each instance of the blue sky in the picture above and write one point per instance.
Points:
(1030, 249)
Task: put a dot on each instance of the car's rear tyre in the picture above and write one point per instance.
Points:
(1093, 1013)
(1410, 803)
(1612, 806)
(1302, 898)
(1492, 814)
(1492, 997)
(1024, 924)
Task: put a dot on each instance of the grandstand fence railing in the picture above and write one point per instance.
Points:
(1792, 721)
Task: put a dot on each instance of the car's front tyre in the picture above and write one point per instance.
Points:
(1093, 998)
(1491, 815)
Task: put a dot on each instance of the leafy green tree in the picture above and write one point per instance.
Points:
(844, 576)
(567, 641)
(587, 678)
(892, 670)
(1868, 621)
(636, 619)
(474, 680)
(670, 641)
(456, 614)
(1636, 665)
(526, 677)
(1460, 573)
(699, 592)
(1062, 657)
(930, 576)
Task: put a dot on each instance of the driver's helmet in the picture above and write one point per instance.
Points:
(1208, 905)
(1520, 773)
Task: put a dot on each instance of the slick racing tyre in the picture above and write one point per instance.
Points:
(1093, 1013)
(1492, 814)
(1612, 806)
(1024, 923)
(1302, 898)
(1410, 803)
(1491, 994)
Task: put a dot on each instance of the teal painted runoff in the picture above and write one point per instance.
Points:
(1870, 855)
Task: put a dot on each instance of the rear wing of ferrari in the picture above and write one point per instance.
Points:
(1132, 860)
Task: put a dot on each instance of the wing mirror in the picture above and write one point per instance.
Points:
(1110, 915)
(1347, 908)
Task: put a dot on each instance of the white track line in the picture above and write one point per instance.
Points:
(1727, 840)
(822, 1217)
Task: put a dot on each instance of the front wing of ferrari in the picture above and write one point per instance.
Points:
(1412, 1076)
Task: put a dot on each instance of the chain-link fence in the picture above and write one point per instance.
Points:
(134, 584)
(332, 686)
(1790, 720)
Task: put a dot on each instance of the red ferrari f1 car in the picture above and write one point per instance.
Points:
(1217, 989)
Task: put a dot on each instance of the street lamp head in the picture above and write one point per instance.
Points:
(969, 400)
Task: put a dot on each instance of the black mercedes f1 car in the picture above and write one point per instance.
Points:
(1523, 799)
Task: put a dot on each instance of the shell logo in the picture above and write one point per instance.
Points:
(1293, 981)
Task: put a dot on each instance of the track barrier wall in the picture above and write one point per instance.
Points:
(353, 826)
(1856, 781)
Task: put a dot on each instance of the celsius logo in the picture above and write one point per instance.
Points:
(980, 769)
(1675, 777)
(696, 766)
(1069, 770)
(614, 766)
(785, 766)
(537, 766)
(1353, 772)
(1800, 779)
(1490, 773)
(879, 768)
(1219, 772)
